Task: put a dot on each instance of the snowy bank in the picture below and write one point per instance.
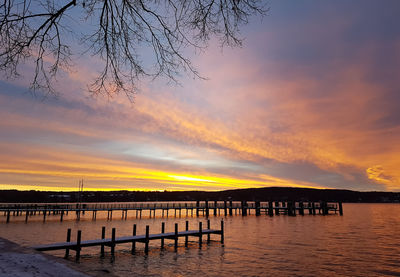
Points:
(17, 261)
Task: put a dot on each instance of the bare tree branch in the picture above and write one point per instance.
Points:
(31, 30)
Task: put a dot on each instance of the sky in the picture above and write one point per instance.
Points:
(311, 99)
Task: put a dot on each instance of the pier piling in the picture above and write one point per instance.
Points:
(186, 237)
(146, 243)
(162, 232)
(78, 245)
(200, 233)
(112, 241)
(133, 250)
(103, 236)
(301, 208)
(222, 231)
(257, 207)
(176, 236)
(208, 227)
(68, 240)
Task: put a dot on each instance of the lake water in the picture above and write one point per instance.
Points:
(363, 242)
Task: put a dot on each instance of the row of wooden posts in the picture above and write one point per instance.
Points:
(270, 208)
(111, 242)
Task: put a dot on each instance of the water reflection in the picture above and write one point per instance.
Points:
(364, 242)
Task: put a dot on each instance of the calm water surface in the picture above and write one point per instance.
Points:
(363, 242)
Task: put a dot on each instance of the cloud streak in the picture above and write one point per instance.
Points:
(307, 106)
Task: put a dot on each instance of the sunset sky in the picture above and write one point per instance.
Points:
(312, 99)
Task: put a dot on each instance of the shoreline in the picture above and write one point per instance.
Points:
(16, 260)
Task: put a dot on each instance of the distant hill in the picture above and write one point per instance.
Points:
(262, 194)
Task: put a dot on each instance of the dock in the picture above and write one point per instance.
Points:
(145, 238)
(193, 208)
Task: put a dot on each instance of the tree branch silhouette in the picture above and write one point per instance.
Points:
(115, 31)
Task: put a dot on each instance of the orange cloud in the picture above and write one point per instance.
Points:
(256, 109)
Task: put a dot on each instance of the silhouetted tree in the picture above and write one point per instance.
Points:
(43, 32)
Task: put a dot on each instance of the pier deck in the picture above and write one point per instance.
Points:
(146, 238)
(199, 208)
(127, 239)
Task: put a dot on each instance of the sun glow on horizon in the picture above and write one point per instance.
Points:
(148, 180)
(294, 108)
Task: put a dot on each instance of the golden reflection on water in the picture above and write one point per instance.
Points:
(363, 242)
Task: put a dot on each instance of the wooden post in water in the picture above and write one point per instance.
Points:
(309, 206)
(313, 208)
(340, 208)
(68, 240)
(78, 245)
(301, 206)
(62, 215)
(222, 231)
(225, 208)
(162, 232)
(292, 208)
(112, 241)
(215, 207)
(186, 237)
(244, 208)
(103, 236)
(146, 244)
(207, 211)
(208, 227)
(322, 207)
(289, 208)
(197, 207)
(257, 206)
(44, 216)
(26, 216)
(176, 236)
(230, 208)
(270, 208)
(200, 233)
(325, 210)
(133, 242)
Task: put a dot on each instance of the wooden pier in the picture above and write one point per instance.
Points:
(145, 238)
(198, 208)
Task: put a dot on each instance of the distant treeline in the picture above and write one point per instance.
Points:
(261, 194)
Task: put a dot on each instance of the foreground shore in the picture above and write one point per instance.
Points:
(17, 261)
